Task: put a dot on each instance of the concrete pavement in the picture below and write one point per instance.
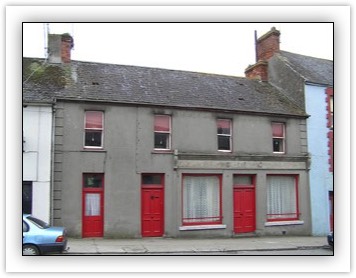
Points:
(92, 246)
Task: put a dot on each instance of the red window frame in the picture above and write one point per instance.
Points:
(222, 126)
(296, 213)
(279, 135)
(219, 221)
(163, 129)
(93, 126)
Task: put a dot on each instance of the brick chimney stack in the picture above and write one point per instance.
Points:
(59, 48)
(266, 46)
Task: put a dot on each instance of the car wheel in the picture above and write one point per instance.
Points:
(30, 250)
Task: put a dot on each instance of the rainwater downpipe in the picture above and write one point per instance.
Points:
(52, 164)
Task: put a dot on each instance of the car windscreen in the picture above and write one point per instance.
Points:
(38, 222)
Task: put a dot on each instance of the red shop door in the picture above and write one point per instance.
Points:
(244, 209)
(152, 211)
(93, 206)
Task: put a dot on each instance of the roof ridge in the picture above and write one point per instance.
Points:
(297, 54)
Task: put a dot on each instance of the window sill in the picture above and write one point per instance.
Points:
(162, 151)
(93, 150)
(284, 223)
(202, 227)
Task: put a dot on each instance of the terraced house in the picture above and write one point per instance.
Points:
(148, 152)
(309, 83)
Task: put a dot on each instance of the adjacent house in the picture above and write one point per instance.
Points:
(148, 152)
(37, 154)
(308, 82)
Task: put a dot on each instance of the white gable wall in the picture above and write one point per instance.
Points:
(37, 132)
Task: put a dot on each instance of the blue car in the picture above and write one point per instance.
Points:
(39, 238)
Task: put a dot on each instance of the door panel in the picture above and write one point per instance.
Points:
(244, 210)
(152, 211)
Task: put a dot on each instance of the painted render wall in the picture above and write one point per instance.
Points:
(128, 153)
(37, 131)
(321, 179)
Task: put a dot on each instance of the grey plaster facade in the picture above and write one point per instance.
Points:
(128, 152)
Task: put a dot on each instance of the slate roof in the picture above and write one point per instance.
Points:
(313, 70)
(150, 86)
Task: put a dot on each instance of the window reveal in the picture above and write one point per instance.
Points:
(162, 132)
(282, 199)
(224, 135)
(93, 129)
(201, 200)
(278, 133)
(331, 113)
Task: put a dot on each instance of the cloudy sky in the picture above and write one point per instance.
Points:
(221, 48)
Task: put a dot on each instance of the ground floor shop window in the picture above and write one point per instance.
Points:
(201, 199)
(282, 197)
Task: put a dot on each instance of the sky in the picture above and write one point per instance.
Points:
(219, 48)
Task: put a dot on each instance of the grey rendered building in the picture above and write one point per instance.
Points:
(142, 152)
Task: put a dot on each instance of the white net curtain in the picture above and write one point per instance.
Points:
(281, 197)
(201, 201)
(92, 204)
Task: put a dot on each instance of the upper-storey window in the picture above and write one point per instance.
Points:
(94, 127)
(224, 135)
(162, 132)
(278, 134)
(331, 108)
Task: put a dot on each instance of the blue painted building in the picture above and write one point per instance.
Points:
(321, 175)
(308, 82)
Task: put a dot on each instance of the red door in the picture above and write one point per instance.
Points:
(152, 212)
(244, 209)
(93, 206)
